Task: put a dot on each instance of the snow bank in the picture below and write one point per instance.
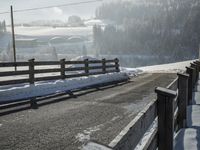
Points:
(164, 68)
(167, 68)
(51, 87)
(131, 71)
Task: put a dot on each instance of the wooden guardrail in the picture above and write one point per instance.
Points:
(62, 70)
(163, 116)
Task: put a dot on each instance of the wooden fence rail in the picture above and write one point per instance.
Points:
(59, 70)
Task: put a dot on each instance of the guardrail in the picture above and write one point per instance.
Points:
(61, 70)
(154, 127)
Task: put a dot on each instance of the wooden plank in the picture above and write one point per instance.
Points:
(62, 68)
(75, 69)
(189, 71)
(2, 83)
(48, 78)
(74, 62)
(195, 66)
(182, 99)
(117, 65)
(14, 73)
(31, 71)
(44, 63)
(194, 74)
(95, 61)
(12, 64)
(110, 61)
(46, 70)
(86, 66)
(103, 65)
(95, 67)
(131, 134)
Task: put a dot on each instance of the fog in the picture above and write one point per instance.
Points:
(139, 33)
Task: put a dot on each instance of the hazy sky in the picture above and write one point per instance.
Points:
(60, 13)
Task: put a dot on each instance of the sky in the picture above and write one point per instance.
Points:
(56, 13)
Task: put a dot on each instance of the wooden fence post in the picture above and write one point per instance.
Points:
(31, 71)
(86, 62)
(117, 65)
(182, 99)
(62, 68)
(193, 65)
(165, 105)
(190, 71)
(198, 68)
(32, 81)
(104, 65)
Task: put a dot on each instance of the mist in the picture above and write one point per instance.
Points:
(139, 33)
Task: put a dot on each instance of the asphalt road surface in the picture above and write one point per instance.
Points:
(67, 122)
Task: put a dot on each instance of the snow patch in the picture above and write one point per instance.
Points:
(1, 125)
(131, 71)
(115, 118)
(85, 136)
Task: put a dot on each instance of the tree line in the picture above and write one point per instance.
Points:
(165, 28)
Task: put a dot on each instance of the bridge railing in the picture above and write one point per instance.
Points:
(154, 127)
(34, 71)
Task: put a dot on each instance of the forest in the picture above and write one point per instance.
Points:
(167, 29)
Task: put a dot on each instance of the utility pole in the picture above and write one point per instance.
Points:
(13, 36)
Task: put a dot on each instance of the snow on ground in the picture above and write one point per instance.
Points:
(163, 68)
(85, 136)
(46, 31)
(166, 68)
(10, 93)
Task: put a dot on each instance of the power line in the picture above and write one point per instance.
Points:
(52, 6)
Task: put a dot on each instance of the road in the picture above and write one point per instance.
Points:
(67, 123)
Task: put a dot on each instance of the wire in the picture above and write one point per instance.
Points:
(52, 6)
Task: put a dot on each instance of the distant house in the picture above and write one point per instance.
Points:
(26, 43)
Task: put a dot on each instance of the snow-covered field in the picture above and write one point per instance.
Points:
(49, 31)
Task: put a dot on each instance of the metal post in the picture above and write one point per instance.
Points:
(13, 36)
